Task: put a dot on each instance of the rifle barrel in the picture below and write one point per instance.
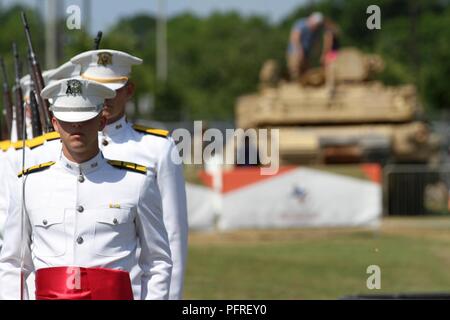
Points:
(35, 124)
(36, 75)
(97, 40)
(18, 94)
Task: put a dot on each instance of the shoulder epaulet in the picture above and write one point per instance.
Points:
(40, 140)
(35, 142)
(36, 168)
(49, 136)
(4, 145)
(18, 144)
(128, 166)
(156, 132)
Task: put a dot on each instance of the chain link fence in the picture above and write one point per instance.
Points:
(416, 190)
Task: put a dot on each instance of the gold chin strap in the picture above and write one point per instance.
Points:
(105, 80)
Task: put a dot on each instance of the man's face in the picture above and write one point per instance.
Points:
(115, 108)
(80, 137)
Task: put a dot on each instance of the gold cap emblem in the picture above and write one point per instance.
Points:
(104, 58)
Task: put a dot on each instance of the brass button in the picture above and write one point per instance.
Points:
(105, 143)
(115, 221)
(44, 222)
(80, 179)
(80, 209)
(80, 240)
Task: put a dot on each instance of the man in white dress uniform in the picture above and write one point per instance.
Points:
(85, 215)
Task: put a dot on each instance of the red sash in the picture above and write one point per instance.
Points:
(75, 283)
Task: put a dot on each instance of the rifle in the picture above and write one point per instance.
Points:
(97, 40)
(35, 123)
(18, 94)
(41, 118)
(36, 75)
(3, 129)
(7, 102)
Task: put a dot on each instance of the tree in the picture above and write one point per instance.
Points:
(214, 59)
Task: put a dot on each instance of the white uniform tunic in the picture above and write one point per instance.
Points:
(120, 141)
(8, 183)
(5, 178)
(11, 164)
(88, 215)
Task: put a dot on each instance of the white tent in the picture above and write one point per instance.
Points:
(298, 197)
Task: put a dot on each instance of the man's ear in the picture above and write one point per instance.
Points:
(102, 122)
(130, 89)
(55, 124)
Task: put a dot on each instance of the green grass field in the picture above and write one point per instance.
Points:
(413, 254)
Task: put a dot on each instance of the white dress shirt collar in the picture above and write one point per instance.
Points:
(116, 127)
(83, 168)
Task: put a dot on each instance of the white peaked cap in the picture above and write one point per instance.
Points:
(65, 71)
(109, 67)
(25, 82)
(76, 100)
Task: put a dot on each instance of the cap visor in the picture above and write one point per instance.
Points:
(114, 85)
(70, 116)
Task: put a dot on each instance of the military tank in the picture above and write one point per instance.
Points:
(338, 114)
